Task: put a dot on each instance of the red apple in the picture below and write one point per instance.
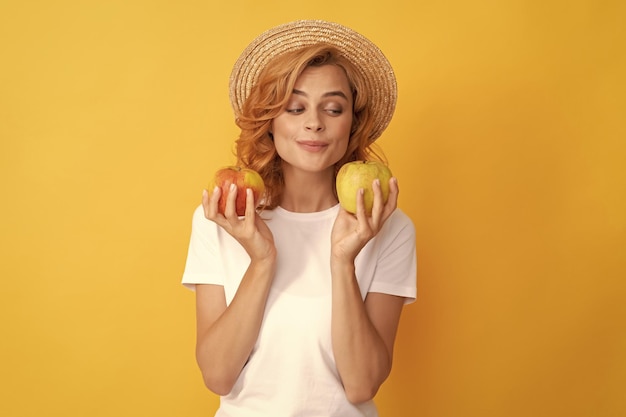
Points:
(243, 178)
(361, 174)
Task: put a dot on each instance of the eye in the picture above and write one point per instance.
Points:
(294, 110)
(334, 111)
(294, 107)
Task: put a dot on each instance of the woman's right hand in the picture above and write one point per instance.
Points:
(250, 231)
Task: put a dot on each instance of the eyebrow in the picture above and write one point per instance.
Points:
(328, 94)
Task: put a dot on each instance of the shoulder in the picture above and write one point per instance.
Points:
(401, 217)
(204, 230)
(399, 223)
(198, 214)
(199, 221)
(397, 234)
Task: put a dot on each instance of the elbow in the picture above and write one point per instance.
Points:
(219, 385)
(365, 387)
(361, 393)
(218, 379)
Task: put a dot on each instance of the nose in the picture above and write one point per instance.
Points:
(313, 122)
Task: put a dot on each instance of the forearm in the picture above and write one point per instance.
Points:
(361, 356)
(224, 347)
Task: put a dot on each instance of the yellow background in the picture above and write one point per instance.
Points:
(508, 141)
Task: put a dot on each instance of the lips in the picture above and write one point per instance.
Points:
(312, 145)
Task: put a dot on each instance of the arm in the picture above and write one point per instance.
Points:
(363, 333)
(226, 335)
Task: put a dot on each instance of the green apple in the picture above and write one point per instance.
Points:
(242, 178)
(361, 174)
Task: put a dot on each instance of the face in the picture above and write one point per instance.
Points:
(312, 132)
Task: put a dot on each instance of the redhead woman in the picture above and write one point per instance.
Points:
(298, 301)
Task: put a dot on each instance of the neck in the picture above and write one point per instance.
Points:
(309, 192)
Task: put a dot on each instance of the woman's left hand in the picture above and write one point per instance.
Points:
(352, 232)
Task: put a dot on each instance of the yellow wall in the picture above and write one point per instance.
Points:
(509, 143)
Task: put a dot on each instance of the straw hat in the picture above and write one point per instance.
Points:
(367, 58)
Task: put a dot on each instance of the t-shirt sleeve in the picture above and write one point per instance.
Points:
(396, 269)
(203, 265)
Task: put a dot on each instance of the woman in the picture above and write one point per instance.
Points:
(298, 302)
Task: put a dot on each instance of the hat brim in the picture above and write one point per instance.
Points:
(368, 59)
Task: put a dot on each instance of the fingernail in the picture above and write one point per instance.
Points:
(377, 182)
(233, 187)
(204, 193)
(216, 189)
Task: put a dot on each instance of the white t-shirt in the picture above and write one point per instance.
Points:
(291, 371)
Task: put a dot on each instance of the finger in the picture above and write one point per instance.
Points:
(209, 202)
(360, 203)
(392, 200)
(377, 207)
(205, 202)
(250, 203)
(361, 214)
(230, 212)
(394, 191)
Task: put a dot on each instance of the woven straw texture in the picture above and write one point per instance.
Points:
(367, 58)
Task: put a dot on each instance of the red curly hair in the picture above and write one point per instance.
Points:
(255, 148)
